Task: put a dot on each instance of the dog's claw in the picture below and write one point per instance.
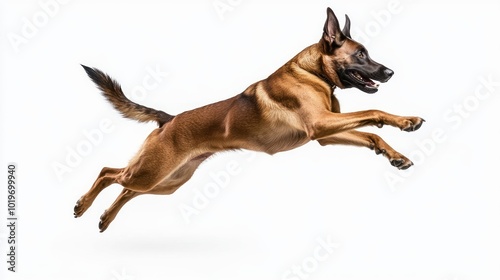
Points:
(401, 164)
(397, 162)
(103, 223)
(414, 125)
(406, 166)
(419, 124)
(101, 227)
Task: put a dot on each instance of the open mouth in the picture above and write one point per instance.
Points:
(362, 81)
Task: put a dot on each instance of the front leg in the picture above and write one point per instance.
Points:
(328, 123)
(371, 141)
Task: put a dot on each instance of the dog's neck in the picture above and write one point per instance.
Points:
(326, 80)
(311, 60)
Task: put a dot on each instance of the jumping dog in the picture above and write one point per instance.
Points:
(291, 107)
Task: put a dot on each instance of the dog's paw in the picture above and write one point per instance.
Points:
(402, 163)
(396, 159)
(411, 123)
(104, 221)
(79, 208)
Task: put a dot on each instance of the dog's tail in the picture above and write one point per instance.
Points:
(114, 94)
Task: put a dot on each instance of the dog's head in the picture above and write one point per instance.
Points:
(347, 61)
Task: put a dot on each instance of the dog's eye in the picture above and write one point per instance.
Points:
(360, 54)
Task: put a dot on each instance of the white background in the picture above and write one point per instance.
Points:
(440, 221)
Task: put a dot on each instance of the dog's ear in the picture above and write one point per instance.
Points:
(332, 36)
(347, 27)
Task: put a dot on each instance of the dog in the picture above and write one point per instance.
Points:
(294, 105)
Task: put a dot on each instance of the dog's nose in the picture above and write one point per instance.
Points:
(388, 72)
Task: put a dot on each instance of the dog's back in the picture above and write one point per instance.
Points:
(291, 107)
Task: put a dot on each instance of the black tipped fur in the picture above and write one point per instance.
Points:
(114, 94)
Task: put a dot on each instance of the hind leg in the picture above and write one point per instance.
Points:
(126, 195)
(109, 215)
(107, 177)
(168, 186)
(141, 173)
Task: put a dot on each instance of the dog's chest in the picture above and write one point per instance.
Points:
(282, 129)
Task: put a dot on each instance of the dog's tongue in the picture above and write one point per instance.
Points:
(370, 83)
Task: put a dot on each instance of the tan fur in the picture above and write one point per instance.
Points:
(291, 107)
